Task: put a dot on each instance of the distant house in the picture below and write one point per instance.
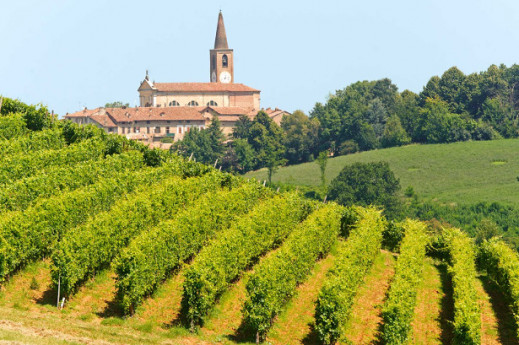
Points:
(172, 109)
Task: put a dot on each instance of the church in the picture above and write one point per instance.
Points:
(169, 110)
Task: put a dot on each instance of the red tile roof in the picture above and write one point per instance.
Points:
(103, 120)
(83, 113)
(203, 87)
(154, 114)
(232, 110)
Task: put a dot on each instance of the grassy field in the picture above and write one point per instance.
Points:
(464, 172)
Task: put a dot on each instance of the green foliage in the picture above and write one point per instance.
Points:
(93, 245)
(275, 280)
(36, 117)
(30, 234)
(366, 184)
(206, 145)
(335, 300)
(49, 139)
(64, 178)
(265, 227)
(394, 134)
(23, 165)
(12, 126)
(502, 266)
(398, 311)
(174, 241)
(300, 137)
(462, 269)
(117, 104)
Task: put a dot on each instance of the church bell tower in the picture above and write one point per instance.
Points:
(221, 57)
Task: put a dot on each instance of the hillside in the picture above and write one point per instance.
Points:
(463, 172)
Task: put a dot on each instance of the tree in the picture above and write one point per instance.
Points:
(300, 137)
(322, 161)
(266, 138)
(367, 184)
(242, 127)
(117, 104)
(394, 133)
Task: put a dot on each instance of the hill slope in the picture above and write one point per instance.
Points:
(463, 172)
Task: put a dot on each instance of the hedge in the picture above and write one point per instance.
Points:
(48, 139)
(335, 300)
(218, 264)
(462, 269)
(275, 279)
(151, 256)
(12, 126)
(21, 165)
(32, 233)
(92, 246)
(60, 179)
(502, 266)
(398, 311)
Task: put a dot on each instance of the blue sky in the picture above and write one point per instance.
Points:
(70, 54)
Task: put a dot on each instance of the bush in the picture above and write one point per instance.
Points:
(92, 246)
(176, 240)
(275, 280)
(32, 233)
(502, 266)
(462, 269)
(366, 184)
(400, 304)
(335, 300)
(36, 117)
(224, 260)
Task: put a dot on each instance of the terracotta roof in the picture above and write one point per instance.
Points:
(203, 87)
(232, 110)
(103, 120)
(154, 113)
(220, 41)
(82, 113)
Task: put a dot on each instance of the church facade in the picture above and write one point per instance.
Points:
(172, 109)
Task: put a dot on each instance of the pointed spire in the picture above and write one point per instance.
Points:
(220, 41)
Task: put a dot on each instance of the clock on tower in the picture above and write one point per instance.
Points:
(221, 57)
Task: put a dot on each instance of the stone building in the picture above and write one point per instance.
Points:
(172, 109)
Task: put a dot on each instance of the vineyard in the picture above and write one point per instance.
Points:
(103, 240)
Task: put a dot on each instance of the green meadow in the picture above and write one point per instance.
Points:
(457, 173)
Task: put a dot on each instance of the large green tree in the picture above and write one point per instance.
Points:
(367, 184)
(300, 137)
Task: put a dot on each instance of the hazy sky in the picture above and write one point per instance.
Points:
(70, 54)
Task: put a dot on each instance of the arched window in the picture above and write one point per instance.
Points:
(212, 104)
(213, 62)
(193, 104)
(224, 60)
(174, 104)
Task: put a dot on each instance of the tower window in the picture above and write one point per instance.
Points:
(225, 63)
(212, 104)
(193, 104)
(174, 104)
(213, 62)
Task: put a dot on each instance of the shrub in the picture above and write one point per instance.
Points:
(92, 246)
(502, 266)
(224, 260)
(174, 241)
(462, 269)
(275, 280)
(400, 304)
(335, 299)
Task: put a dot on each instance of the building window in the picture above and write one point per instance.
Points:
(193, 104)
(225, 63)
(174, 104)
(148, 130)
(148, 122)
(157, 130)
(179, 130)
(137, 130)
(167, 130)
(213, 62)
(212, 104)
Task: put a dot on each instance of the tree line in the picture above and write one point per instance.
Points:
(368, 115)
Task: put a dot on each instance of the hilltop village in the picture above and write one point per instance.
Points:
(169, 110)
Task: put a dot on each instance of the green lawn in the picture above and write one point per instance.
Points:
(464, 172)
